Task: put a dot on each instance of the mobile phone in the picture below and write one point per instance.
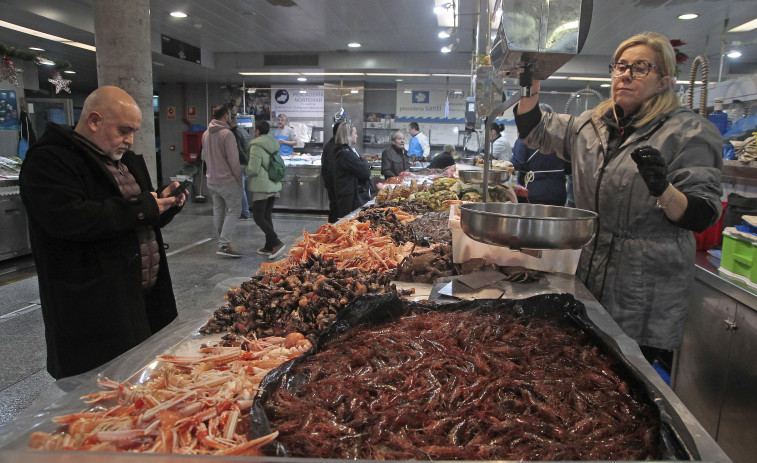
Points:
(180, 189)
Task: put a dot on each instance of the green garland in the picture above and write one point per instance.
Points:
(26, 55)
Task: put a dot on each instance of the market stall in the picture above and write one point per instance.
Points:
(183, 335)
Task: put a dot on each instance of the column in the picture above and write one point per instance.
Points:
(122, 38)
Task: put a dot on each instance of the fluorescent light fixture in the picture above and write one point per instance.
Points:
(395, 74)
(354, 91)
(747, 26)
(80, 45)
(178, 14)
(686, 16)
(269, 73)
(734, 54)
(399, 80)
(302, 79)
(42, 35)
(557, 77)
(592, 79)
(444, 35)
(250, 90)
(332, 73)
(36, 49)
(447, 49)
(605, 85)
(354, 45)
(451, 75)
(303, 91)
(46, 62)
(70, 72)
(408, 91)
(458, 92)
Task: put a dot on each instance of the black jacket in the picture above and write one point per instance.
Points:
(86, 250)
(393, 161)
(441, 161)
(352, 177)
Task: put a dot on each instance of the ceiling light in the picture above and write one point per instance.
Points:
(557, 77)
(178, 14)
(458, 92)
(302, 79)
(451, 75)
(447, 49)
(269, 73)
(354, 45)
(354, 91)
(250, 90)
(604, 85)
(303, 91)
(70, 72)
(46, 62)
(734, 54)
(395, 74)
(36, 49)
(399, 80)
(445, 34)
(43, 35)
(747, 26)
(688, 16)
(408, 91)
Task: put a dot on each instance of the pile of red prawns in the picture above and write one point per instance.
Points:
(462, 385)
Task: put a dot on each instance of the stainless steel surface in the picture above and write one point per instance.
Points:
(14, 229)
(13, 441)
(714, 373)
(302, 189)
(531, 226)
(476, 175)
(544, 34)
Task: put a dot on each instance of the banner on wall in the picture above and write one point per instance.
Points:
(8, 110)
(294, 103)
(437, 105)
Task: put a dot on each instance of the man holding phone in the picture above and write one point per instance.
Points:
(94, 226)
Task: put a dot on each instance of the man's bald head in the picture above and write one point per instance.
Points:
(109, 118)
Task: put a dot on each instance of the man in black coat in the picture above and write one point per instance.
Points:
(94, 226)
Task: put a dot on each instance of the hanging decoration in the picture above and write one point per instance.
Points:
(681, 57)
(9, 72)
(59, 82)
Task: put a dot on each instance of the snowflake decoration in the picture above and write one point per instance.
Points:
(59, 82)
(9, 72)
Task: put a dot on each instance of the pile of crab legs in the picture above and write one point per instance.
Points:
(189, 405)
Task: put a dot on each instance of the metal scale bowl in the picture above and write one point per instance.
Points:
(534, 39)
(528, 226)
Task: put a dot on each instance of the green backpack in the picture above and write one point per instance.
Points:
(276, 169)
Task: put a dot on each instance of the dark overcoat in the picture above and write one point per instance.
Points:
(85, 246)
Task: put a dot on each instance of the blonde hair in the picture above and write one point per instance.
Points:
(343, 134)
(665, 64)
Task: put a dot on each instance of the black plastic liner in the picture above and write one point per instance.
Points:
(675, 441)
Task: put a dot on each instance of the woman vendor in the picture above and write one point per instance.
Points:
(651, 170)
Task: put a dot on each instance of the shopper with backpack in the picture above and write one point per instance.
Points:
(264, 172)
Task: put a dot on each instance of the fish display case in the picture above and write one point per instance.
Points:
(63, 397)
(14, 226)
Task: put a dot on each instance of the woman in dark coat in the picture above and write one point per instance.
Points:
(352, 174)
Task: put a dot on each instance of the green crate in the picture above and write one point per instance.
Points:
(739, 257)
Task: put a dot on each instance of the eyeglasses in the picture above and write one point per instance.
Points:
(638, 70)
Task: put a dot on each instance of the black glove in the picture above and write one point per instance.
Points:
(652, 168)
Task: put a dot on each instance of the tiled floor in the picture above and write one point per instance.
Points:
(195, 271)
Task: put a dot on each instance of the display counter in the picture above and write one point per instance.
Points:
(302, 189)
(14, 227)
(63, 396)
(714, 373)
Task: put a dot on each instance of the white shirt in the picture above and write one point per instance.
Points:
(423, 140)
(501, 149)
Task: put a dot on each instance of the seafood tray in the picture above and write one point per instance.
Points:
(673, 441)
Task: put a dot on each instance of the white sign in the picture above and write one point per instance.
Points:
(296, 104)
(430, 105)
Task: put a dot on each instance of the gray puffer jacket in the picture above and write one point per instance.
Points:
(640, 265)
